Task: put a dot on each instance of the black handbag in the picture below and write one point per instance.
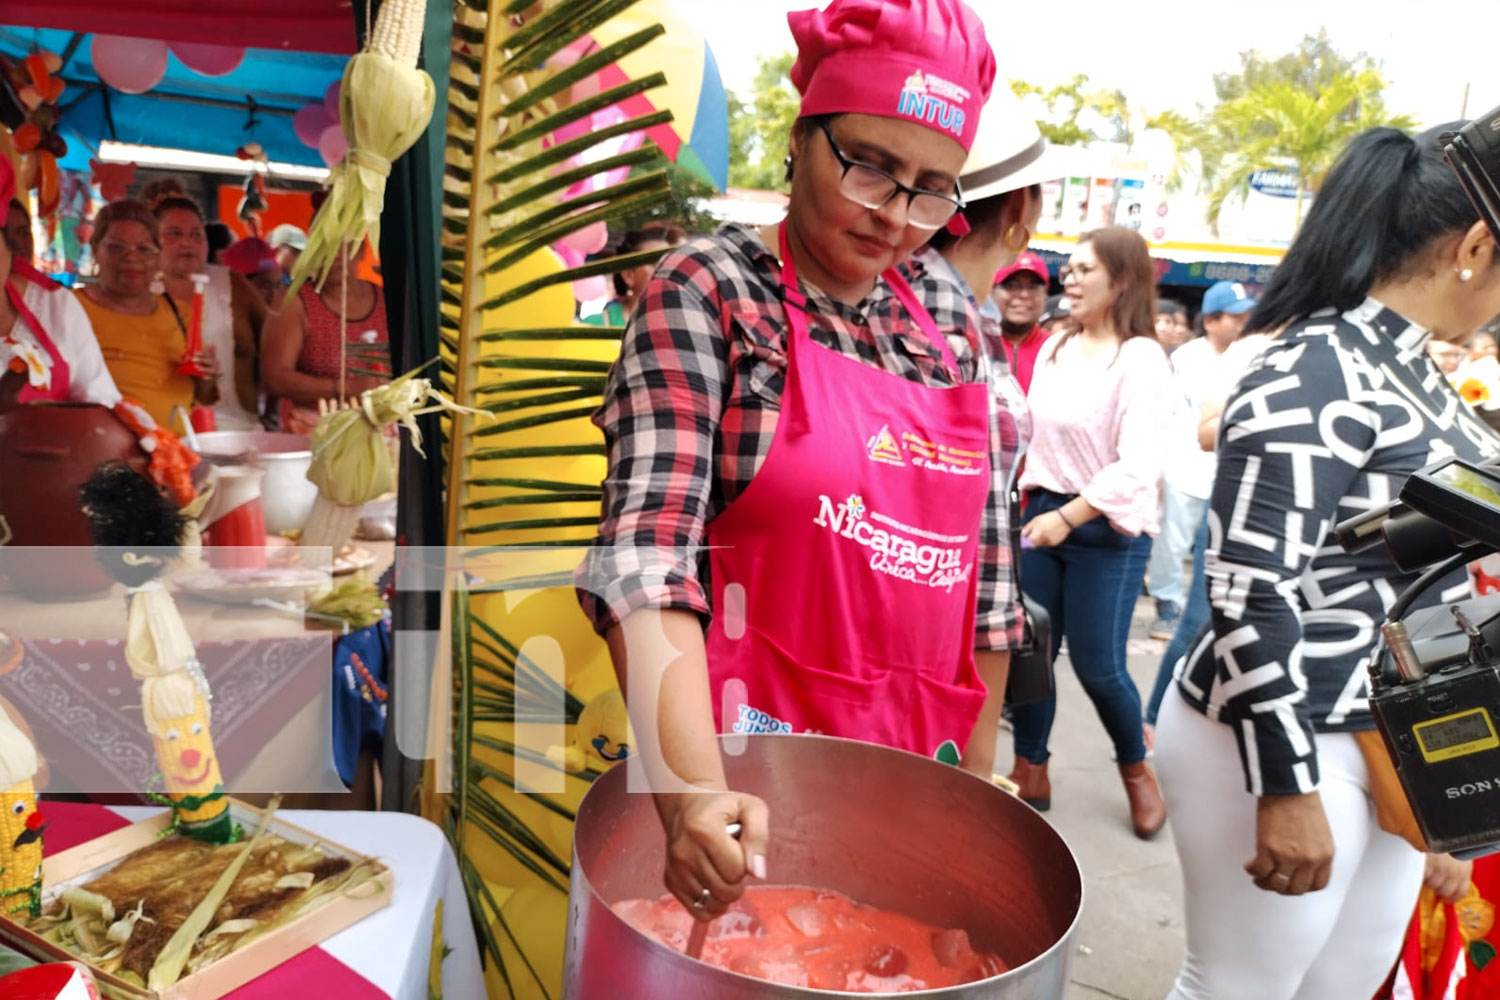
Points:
(1031, 677)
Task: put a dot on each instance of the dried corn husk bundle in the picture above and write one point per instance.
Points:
(351, 464)
(20, 824)
(385, 105)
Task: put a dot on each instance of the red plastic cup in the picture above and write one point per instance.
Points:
(238, 539)
(202, 419)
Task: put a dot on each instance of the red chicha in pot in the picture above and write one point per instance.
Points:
(821, 940)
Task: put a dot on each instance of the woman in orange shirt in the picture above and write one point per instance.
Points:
(142, 335)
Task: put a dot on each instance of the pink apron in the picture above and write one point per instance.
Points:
(844, 576)
(61, 374)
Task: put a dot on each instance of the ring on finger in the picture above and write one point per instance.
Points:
(702, 900)
(1281, 876)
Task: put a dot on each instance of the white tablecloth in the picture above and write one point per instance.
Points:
(391, 948)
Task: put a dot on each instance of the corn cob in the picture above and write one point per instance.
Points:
(398, 30)
(177, 717)
(352, 463)
(330, 525)
(175, 702)
(384, 105)
(21, 824)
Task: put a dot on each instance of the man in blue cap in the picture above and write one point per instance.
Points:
(1189, 478)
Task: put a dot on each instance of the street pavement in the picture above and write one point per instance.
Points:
(1130, 942)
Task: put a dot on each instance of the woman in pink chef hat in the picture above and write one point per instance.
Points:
(803, 520)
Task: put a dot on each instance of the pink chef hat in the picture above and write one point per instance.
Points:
(923, 60)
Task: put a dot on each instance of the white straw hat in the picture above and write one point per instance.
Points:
(1010, 153)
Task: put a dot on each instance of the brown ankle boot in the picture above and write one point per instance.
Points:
(1148, 813)
(1031, 780)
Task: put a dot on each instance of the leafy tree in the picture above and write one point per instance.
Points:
(759, 126)
(1290, 112)
(1064, 103)
(1077, 114)
(1313, 65)
(1280, 125)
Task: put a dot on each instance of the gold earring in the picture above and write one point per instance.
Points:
(1009, 240)
(1465, 274)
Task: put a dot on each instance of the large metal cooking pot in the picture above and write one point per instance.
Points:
(286, 496)
(886, 827)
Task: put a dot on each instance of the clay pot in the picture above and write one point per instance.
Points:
(47, 451)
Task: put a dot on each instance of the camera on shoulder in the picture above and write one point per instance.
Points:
(1435, 680)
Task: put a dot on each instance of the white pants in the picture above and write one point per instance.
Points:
(1244, 943)
(1166, 578)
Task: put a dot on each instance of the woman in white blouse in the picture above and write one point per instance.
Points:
(47, 346)
(1099, 399)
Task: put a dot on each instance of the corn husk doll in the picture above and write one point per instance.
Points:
(351, 463)
(21, 824)
(138, 531)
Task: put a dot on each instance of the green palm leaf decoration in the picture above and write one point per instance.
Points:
(536, 710)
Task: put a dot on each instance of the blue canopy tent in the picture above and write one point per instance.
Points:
(186, 110)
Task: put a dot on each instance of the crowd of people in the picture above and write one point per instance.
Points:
(263, 362)
(781, 388)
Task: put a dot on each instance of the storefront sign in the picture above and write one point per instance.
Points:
(1276, 183)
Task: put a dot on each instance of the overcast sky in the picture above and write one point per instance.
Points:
(1164, 54)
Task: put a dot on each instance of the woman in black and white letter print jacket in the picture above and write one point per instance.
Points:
(1292, 891)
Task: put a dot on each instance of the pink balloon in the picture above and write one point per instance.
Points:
(130, 65)
(331, 98)
(571, 131)
(310, 122)
(590, 289)
(589, 239)
(569, 256)
(332, 145)
(578, 188)
(209, 60)
(570, 54)
(589, 86)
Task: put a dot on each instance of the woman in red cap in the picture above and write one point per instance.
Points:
(47, 346)
(801, 526)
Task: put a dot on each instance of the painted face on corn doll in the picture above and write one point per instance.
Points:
(23, 822)
(185, 750)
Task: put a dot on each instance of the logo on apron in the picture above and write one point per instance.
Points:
(896, 549)
(884, 449)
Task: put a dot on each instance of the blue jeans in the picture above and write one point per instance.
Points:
(1194, 617)
(1089, 585)
(1180, 516)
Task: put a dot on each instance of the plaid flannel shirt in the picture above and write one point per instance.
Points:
(691, 407)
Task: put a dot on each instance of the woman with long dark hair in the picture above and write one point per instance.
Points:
(1100, 397)
(1267, 747)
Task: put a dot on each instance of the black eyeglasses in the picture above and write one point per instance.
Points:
(870, 187)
